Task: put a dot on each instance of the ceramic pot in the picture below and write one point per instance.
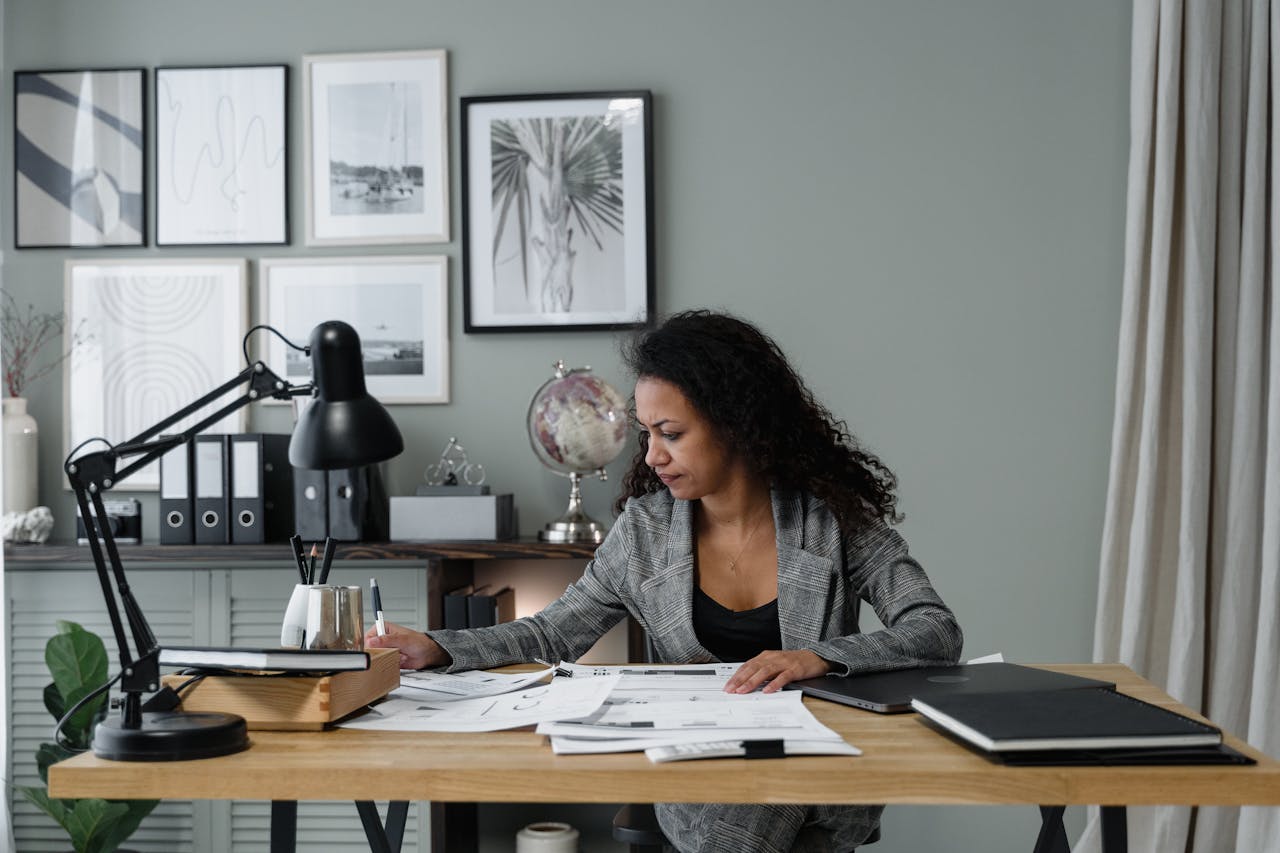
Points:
(21, 437)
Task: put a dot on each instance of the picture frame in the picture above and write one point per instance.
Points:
(377, 147)
(79, 142)
(221, 155)
(154, 336)
(399, 305)
(589, 267)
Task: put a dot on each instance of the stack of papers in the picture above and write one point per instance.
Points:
(671, 712)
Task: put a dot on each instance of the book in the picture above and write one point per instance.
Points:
(1063, 720)
(284, 660)
(454, 607)
(486, 607)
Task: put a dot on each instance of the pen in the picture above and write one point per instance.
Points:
(326, 559)
(377, 607)
(296, 541)
(311, 573)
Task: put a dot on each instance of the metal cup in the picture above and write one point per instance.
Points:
(335, 618)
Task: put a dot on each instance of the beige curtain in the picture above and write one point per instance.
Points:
(1189, 592)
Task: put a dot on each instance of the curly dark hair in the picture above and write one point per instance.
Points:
(736, 377)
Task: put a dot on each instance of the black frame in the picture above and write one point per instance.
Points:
(470, 325)
(284, 153)
(24, 149)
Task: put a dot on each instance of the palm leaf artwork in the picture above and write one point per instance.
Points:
(580, 161)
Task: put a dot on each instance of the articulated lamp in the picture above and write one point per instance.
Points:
(343, 427)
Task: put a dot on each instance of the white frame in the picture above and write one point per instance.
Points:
(221, 163)
(427, 68)
(151, 318)
(359, 275)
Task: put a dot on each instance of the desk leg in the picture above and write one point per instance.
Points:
(1053, 835)
(1115, 830)
(380, 841)
(453, 828)
(284, 826)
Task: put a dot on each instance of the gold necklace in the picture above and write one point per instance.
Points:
(734, 562)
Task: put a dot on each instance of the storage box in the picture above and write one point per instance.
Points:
(428, 517)
(295, 702)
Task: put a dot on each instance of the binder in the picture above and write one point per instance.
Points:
(357, 505)
(261, 488)
(177, 505)
(211, 493)
(310, 504)
(491, 608)
(455, 607)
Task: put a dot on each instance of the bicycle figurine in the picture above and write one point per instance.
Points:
(453, 467)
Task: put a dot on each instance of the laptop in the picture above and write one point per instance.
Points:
(892, 692)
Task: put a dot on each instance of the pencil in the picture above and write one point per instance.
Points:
(311, 574)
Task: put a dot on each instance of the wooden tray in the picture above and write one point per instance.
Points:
(295, 702)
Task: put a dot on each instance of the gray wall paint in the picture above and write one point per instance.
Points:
(922, 201)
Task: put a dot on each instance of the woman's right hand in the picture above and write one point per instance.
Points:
(417, 650)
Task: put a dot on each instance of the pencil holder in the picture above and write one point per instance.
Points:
(335, 618)
(294, 627)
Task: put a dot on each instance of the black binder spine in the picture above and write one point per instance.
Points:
(311, 503)
(212, 496)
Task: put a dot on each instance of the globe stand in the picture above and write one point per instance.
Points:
(575, 525)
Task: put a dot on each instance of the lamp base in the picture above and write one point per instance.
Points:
(572, 530)
(171, 736)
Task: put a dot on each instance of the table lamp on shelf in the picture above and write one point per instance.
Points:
(343, 427)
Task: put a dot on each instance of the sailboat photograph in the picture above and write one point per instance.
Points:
(376, 158)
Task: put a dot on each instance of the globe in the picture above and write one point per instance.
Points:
(577, 425)
(577, 422)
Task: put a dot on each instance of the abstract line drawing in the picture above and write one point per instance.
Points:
(558, 211)
(78, 150)
(164, 333)
(221, 166)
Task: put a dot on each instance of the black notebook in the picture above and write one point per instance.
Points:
(891, 692)
(1064, 720)
(285, 660)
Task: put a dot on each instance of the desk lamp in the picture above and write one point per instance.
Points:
(343, 427)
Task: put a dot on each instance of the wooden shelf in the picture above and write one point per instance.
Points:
(63, 553)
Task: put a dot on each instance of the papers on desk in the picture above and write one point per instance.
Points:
(470, 684)
(669, 706)
(405, 710)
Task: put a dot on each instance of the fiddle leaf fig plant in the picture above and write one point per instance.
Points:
(77, 659)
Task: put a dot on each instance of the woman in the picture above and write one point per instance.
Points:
(751, 527)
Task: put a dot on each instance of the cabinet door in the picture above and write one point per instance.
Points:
(257, 599)
(37, 600)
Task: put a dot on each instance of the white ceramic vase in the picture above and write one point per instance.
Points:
(21, 438)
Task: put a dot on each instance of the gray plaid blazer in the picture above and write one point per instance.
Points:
(645, 568)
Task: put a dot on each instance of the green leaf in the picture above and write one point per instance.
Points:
(53, 701)
(77, 659)
(78, 730)
(89, 821)
(39, 797)
(49, 754)
(115, 833)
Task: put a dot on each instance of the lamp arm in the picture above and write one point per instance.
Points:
(93, 473)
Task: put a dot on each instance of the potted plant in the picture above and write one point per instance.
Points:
(77, 659)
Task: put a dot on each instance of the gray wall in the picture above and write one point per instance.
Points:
(922, 201)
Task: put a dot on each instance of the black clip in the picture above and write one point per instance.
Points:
(763, 749)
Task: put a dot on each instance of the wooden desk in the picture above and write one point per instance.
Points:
(903, 761)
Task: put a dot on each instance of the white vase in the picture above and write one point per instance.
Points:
(21, 437)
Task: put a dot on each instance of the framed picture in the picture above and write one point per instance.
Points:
(156, 336)
(221, 161)
(78, 142)
(377, 148)
(398, 305)
(557, 196)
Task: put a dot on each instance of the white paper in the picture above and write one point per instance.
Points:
(563, 698)
(469, 684)
(736, 749)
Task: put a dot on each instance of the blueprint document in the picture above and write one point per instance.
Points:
(468, 684)
(564, 698)
(654, 706)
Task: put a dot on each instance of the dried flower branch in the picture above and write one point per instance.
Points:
(22, 336)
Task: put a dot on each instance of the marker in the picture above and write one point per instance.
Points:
(377, 608)
(325, 559)
(296, 541)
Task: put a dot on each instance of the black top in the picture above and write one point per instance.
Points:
(735, 635)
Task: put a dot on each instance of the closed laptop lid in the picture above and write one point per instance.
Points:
(892, 692)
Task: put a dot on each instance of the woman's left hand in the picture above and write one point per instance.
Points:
(774, 669)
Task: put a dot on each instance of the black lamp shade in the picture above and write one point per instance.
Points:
(343, 427)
